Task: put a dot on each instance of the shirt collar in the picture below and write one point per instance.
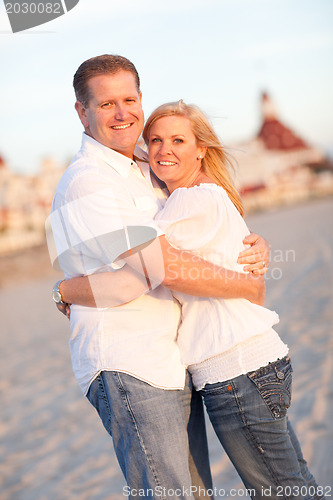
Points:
(122, 164)
(140, 155)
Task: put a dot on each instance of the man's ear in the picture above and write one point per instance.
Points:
(81, 111)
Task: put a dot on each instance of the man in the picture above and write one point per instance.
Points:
(125, 358)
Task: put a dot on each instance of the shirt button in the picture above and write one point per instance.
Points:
(280, 375)
(229, 388)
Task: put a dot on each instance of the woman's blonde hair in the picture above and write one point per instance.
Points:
(216, 163)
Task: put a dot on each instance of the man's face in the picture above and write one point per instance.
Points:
(114, 116)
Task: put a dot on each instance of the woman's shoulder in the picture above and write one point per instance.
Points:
(201, 205)
(207, 196)
(191, 217)
(204, 190)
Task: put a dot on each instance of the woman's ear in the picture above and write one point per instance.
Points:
(202, 152)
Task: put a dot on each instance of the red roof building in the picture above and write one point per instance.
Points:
(277, 165)
(274, 134)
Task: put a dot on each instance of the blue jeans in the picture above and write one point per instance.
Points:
(159, 436)
(249, 416)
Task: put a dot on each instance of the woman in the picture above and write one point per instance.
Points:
(237, 361)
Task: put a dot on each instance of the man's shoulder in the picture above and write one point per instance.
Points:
(85, 165)
(84, 175)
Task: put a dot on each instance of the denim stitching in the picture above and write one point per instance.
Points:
(275, 365)
(106, 400)
(257, 443)
(284, 386)
(128, 406)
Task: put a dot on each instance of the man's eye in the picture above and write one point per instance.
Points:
(106, 105)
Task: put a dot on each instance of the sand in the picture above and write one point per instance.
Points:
(52, 444)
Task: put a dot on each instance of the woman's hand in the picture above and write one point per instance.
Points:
(256, 257)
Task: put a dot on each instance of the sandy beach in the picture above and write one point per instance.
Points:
(52, 444)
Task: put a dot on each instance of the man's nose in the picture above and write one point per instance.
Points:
(121, 113)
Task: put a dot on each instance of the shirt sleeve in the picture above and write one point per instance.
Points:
(191, 217)
(94, 223)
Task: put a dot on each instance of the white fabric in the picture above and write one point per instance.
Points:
(202, 219)
(100, 197)
(247, 356)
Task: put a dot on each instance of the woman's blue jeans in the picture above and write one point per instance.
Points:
(159, 436)
(249, 416)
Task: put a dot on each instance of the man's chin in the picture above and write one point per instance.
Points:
(124, 149)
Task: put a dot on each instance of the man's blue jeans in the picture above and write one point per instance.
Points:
(159, 436)
(249, 416)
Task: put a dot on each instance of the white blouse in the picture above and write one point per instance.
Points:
(203, 220)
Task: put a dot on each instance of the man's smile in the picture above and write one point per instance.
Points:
(121, 127)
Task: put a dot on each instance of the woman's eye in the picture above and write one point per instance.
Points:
(179, 141)
(156, 139)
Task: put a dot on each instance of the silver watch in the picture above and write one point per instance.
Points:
(56, 295)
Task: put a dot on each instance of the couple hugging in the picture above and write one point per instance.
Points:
(166, 289)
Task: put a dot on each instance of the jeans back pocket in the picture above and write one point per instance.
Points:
(274, 384)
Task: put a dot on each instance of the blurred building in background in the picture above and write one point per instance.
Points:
(279, 167)
(25, 202)
(275, 167)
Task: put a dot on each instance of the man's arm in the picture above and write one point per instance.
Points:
(90, 236)
(159, 263)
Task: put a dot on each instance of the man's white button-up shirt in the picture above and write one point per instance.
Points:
(105, 203)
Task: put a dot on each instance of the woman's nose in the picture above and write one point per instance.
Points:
(165, 148)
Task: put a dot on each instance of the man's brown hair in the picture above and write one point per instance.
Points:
(101, 65)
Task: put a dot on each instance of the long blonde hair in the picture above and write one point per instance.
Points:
(216, 163)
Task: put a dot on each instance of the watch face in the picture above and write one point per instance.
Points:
(56, 297)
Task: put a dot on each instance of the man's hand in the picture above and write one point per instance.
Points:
(65, 309)
(256, 257)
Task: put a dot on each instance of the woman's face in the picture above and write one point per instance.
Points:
(173, 151)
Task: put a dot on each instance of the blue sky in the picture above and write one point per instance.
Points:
(219, 54)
